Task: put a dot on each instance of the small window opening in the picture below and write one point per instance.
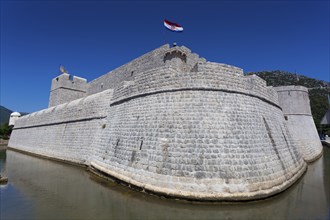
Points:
(141, 145)
(286, 117)
(102, 85)
(117, 142)
(56, 78)
(132, 73)
(71, 77)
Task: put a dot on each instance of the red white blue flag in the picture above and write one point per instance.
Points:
(173, 26)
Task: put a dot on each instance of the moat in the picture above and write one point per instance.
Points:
(44, 189)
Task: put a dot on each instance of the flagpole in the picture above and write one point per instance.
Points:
(164, 35)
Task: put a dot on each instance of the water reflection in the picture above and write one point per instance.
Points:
(46, 189)
(3, 156)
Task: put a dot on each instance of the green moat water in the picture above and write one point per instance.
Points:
(44, 189)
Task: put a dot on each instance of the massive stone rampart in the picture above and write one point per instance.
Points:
(198, 135)
(185, 128)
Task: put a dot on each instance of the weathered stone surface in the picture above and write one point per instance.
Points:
(172, 123)
(294, 101)
(65, 131)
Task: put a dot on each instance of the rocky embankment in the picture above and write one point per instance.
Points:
(3, 144)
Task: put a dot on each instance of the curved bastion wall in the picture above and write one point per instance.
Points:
(198, 135)
(188, 129)
(295, 103)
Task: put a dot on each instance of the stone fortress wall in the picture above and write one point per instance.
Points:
(174, 124)
(294, 101)
(65, 131)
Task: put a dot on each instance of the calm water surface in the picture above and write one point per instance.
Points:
(43, 189)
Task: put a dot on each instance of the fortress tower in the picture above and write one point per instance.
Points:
(65, 88)
(294, 101)
(13, 118)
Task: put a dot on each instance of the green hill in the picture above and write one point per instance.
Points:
(4, 115)
(318, 91)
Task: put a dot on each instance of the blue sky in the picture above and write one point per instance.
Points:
(91, 38)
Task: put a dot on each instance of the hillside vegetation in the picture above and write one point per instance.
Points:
(318, 91)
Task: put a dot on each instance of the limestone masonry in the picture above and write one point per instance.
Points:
(172, 123)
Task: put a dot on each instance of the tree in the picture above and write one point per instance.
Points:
(5, 131)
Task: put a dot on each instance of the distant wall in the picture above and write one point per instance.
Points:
(295, 103)
(65, 131)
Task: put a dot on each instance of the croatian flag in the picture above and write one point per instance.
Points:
(173, 26)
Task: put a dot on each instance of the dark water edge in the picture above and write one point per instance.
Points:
(44, 189)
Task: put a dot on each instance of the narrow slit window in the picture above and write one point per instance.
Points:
(141, 145)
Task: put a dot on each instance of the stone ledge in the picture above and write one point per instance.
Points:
(188, 195)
